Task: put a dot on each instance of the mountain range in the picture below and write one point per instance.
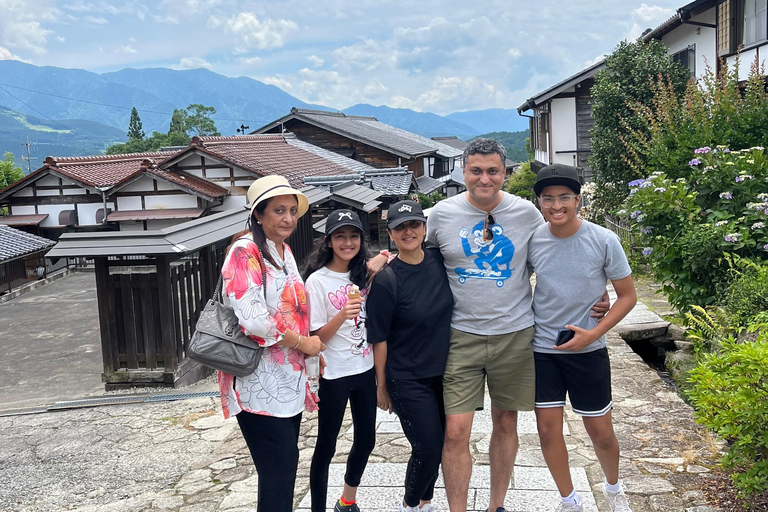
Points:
(73, 111)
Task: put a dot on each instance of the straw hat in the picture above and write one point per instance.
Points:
(272, 186)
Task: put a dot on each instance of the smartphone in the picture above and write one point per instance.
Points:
(564, 336)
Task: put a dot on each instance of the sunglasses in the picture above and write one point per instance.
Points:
(487, 231)
(409, 224)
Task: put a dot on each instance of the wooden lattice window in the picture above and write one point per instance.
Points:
(725, 28)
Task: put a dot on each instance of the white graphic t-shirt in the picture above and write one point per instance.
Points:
(347, 352)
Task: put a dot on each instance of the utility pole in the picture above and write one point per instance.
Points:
(242, 129)
(28, 158)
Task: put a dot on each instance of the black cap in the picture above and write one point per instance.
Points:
(557, 174)
(403, 211)
(341, 218)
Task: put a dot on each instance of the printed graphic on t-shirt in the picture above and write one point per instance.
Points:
(492, 258)
(339, 299)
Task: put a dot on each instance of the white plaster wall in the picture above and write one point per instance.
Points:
(239, 183)
(161, 185)
(563, 127)
(542, 156)
(217, 173)
(706, 45)
(143, 184)
(237, 173)
(53, 213)
(747, 58)
(86, 213)
(48, 181)
(25, 192)
(48, 193)
(174, 201)
(74, 191)
(23, 210)
(128, 203)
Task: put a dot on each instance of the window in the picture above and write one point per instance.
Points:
(539, 134)
(741, 22)
(687, 58)
(755, 21)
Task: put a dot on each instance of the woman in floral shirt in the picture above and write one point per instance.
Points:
(267, 293)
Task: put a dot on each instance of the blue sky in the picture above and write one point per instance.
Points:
(428, 55)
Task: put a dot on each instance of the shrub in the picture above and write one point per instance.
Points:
(730, 395)
(747, 298)
(629, 72)
(521, 182)
(429, 200)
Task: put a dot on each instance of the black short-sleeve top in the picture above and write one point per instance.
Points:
(413, 316)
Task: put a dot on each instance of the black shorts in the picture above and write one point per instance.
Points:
(586, 378)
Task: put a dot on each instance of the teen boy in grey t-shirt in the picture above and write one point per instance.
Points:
(573, 259)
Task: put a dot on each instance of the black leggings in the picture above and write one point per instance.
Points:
(419, 405)
(273, 443)
(360, 390)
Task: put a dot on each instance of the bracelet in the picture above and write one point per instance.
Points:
(297, 343)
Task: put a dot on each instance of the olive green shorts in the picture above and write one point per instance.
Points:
(506, 360)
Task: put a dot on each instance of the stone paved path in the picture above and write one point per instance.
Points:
(182, 456)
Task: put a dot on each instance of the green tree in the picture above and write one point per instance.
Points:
(10, 173)
(199, 122)
(627, 80)
(516, 143)
(134, 126)
(178, 121)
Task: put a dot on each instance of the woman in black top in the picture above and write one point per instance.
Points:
(410, 305)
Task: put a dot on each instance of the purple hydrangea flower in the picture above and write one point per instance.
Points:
(694, 162)
(726, 150)
(732, 237)
(659, 189)
(704, 150)
(634, 214)
(726, 195)
(636, 183)
(765, 247)
(647, 251)
(647, 230)
(745, 177)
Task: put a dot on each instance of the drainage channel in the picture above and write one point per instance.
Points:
(109, 400)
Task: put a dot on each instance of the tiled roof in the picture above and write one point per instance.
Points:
(15, 243)
(392, 184)
(354, 165)
(363, 129)
(453, 141)
(106, 170)
(269, 154)
(428, 185)
(197, 184)
(443, 150)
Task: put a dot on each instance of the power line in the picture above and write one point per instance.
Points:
(31, 108)
(98, 104)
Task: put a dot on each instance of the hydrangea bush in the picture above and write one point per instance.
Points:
(687, 224)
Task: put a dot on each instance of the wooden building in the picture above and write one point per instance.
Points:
(368, 140)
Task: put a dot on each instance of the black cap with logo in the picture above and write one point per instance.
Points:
(341, 218)
(557, 174)
(403, 211)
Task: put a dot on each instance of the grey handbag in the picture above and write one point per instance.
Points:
(219, 342)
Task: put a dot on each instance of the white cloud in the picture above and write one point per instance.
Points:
(21, 24)
(251, 61)
(95, 20)
(126, 49)
(252, 32)
(652, 13)
(316, 61)
(193, 63)
(515, 53)
(5, 54)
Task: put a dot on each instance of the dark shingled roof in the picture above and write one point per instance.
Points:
(15, 243)
(393, 184)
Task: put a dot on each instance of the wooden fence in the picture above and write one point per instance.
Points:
(148, 310)
(622, 228)
(18, 272)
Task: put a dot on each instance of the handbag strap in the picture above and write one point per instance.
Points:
(217, 292)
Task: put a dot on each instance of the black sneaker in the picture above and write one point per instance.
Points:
(345, 508)
(498, 509)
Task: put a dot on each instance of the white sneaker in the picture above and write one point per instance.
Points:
(567, 507)
(427, 507)
(618, 501)
(408, 509)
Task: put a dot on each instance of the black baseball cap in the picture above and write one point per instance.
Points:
(341, 218)
(403, 211)
(557, 174)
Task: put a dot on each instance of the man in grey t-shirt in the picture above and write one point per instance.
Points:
(483, 236)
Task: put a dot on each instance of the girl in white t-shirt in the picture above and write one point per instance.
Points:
(336, 270)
